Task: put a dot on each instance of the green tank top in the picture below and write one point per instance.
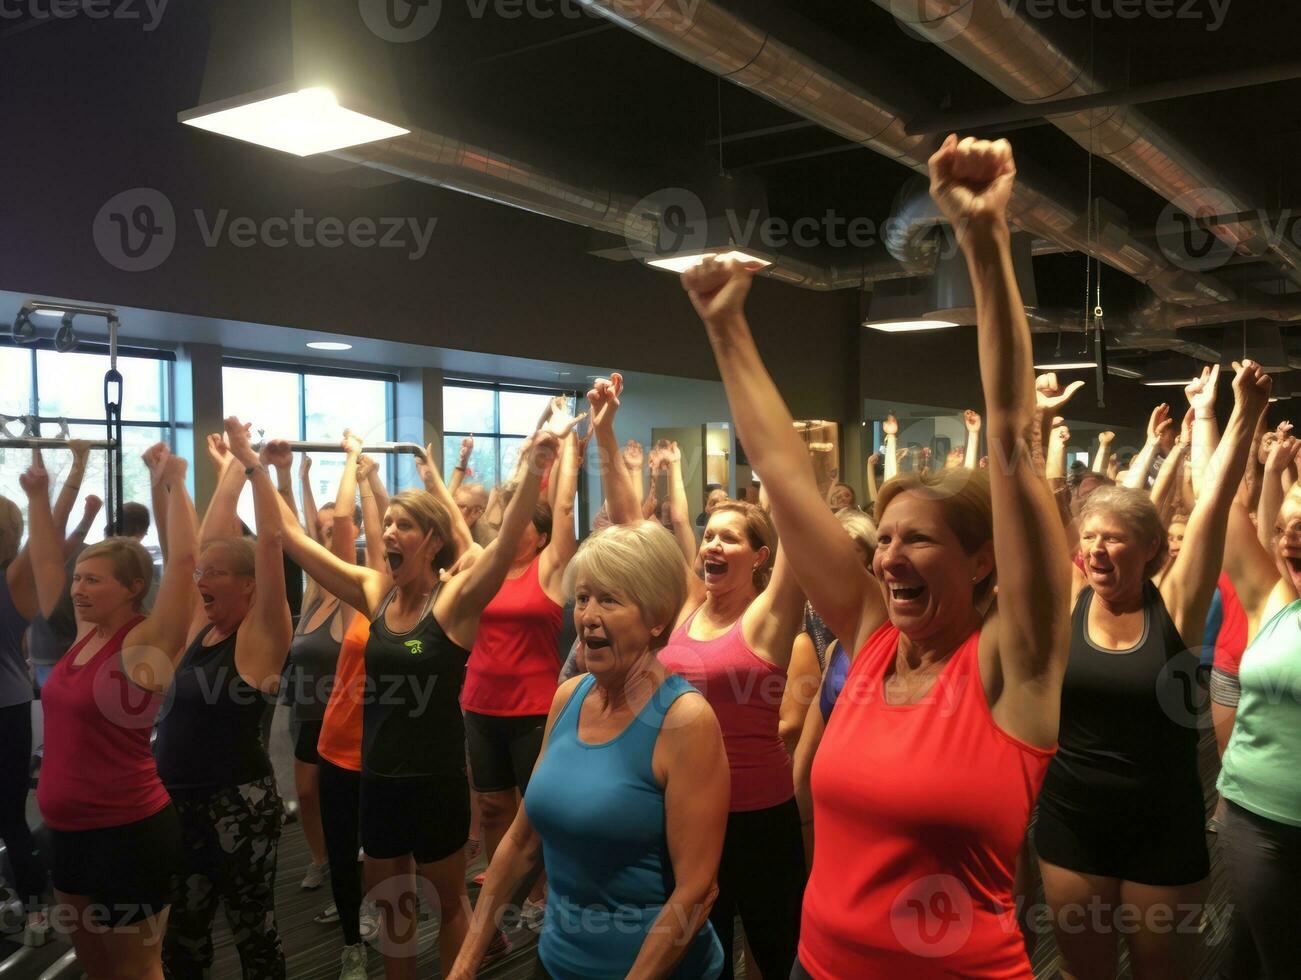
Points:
(1260, 770)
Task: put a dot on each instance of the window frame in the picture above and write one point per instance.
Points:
(521, 387)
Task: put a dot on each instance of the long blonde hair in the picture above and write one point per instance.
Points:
(11, 530)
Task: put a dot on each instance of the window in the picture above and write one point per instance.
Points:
(500, 417)
(70, 385)
(287, 403)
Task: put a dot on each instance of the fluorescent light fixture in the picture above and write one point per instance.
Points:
(1124, 372)
(1181, 382)
(1051, 365)
(328, 345)
(303, 123)
(47, 311)
(681, 263)
(909, 326)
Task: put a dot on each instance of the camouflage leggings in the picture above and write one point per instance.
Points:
(230, 844)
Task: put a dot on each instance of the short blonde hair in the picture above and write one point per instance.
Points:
(1134, 509)
(964, 501)
(11, 530)
(858, 526)
(242, 552)
(130, 562)
(641, 561)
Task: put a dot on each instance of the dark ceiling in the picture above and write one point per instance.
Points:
(588, 99)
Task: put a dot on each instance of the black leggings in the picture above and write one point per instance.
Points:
(340, 791)
(15, 773)
(1264, 863)
(761, 876)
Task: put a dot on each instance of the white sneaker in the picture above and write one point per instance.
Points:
(369, 922)
(352, 965)
(315, 877)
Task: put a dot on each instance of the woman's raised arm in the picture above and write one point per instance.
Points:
(971, 181)
(822, 556)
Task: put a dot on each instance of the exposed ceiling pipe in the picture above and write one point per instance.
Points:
(1010, 51)
(706, 34)
(443, 161)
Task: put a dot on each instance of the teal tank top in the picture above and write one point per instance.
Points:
(1259, 771)
(600, 814)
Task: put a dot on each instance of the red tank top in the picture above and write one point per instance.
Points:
(99, 768)
(919, 811)
(340, 738)
(1231, 641)
(515, 663)
(745, 692)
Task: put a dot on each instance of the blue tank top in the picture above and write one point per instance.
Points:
(600, 814)
(837, 672)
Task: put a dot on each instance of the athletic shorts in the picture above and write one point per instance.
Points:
(306, 735)
(125, 871)
(503, 750)
(427, 816)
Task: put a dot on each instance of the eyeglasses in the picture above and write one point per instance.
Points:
(201, 573)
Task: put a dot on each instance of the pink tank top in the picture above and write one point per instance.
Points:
(99, 769)
(745, 692)
(920, 811)
(515, 663)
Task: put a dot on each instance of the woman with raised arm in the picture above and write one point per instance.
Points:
(209, 745)
(17, 604)
(1257, 718)
(628, 804)
(923, 784)
(414, 799)
(733, 640)
(1121, 813)
(340, 734)
(116, 838)
(314, 651)
(510, 679)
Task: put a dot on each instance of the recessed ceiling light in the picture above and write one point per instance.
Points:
(910, 326)
(302, 123)
(328, 345)
(681, 263)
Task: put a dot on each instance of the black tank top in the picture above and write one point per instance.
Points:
(209, 730)
(313, 657)
(1128, 740)
(411, 723)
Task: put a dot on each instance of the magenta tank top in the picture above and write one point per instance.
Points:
(745, 692)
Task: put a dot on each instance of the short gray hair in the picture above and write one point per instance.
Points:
(643, 562)
(1134, 509)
